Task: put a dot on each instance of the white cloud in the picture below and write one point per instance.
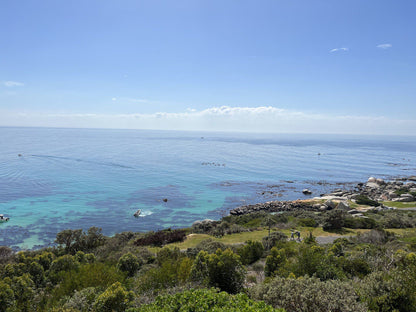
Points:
(338, 49)
(135, 100)
(225, 118)
(114, 99)
(384, 46)
(11, 84)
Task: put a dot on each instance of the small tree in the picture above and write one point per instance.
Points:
(129, 263)
(274, 262)
(251, 252)
(114, 298)
(270, 241)
(6, 297)
(222, 269)
(334, 221)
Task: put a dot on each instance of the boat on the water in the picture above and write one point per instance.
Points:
(3, 218)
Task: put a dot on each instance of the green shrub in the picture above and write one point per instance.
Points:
(307, 222)
(222, 269)
(364, 200)
(273, 239)
(161, 238)
(388, 291)
(82, 300)
(250, 252)
(6, 297)
(205, 300)
(274, 262)
(309, 294)
(114, 298)
(335, 220)
(129, 263)
(98, 275)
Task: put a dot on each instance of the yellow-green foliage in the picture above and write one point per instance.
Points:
(114, 298)
(222, 269)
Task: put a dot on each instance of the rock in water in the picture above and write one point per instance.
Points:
(137, 213)
(306, 192)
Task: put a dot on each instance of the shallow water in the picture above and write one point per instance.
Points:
(78, 178)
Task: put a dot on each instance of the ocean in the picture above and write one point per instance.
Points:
(53, 179)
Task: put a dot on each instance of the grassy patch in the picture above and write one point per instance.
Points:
(403, 232)
(399, 204)
(194, 239)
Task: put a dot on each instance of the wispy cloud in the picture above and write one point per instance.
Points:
(338, 49)
(11, 84)
(384, 46)
(225, 118)
(131, 100)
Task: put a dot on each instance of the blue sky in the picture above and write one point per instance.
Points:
(343, 66)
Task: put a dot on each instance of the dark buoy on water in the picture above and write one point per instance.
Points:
(20, 155)
(165, 200)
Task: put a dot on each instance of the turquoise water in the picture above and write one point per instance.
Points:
(78, 178)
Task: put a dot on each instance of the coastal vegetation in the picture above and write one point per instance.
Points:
(252, 261)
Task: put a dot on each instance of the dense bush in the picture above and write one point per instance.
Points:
(275, 262)
(161, 238)
(309, 294)
(222, 269)
(334, 220)
(205, 300)
(250, 252)
(388, 291)
(114, 298)
(129, 263)
(273, 239)
(360, 223)
(364, 200)
(77, 240)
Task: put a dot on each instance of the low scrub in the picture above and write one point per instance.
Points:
(161, 238)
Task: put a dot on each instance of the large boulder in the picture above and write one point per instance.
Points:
(343, 206)
(330, 204)
(380, 181)
(405, 198)
(392, 195)
(371, 180)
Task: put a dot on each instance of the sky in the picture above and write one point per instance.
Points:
(304, 66)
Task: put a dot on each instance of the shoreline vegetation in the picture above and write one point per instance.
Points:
(349, 250)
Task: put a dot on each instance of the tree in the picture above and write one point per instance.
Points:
(222, 269)
(274, 262)
(6, 297)
(334, 221)
(129, 263)
(251, 252)
(114, 298)
(77, 240)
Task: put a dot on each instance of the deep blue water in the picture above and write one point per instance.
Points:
(78, 178)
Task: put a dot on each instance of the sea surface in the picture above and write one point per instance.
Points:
(78, 178)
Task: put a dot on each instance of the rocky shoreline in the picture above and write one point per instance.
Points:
(397, 190)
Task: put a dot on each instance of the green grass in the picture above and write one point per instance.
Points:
(233, 239)
(399, 204)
